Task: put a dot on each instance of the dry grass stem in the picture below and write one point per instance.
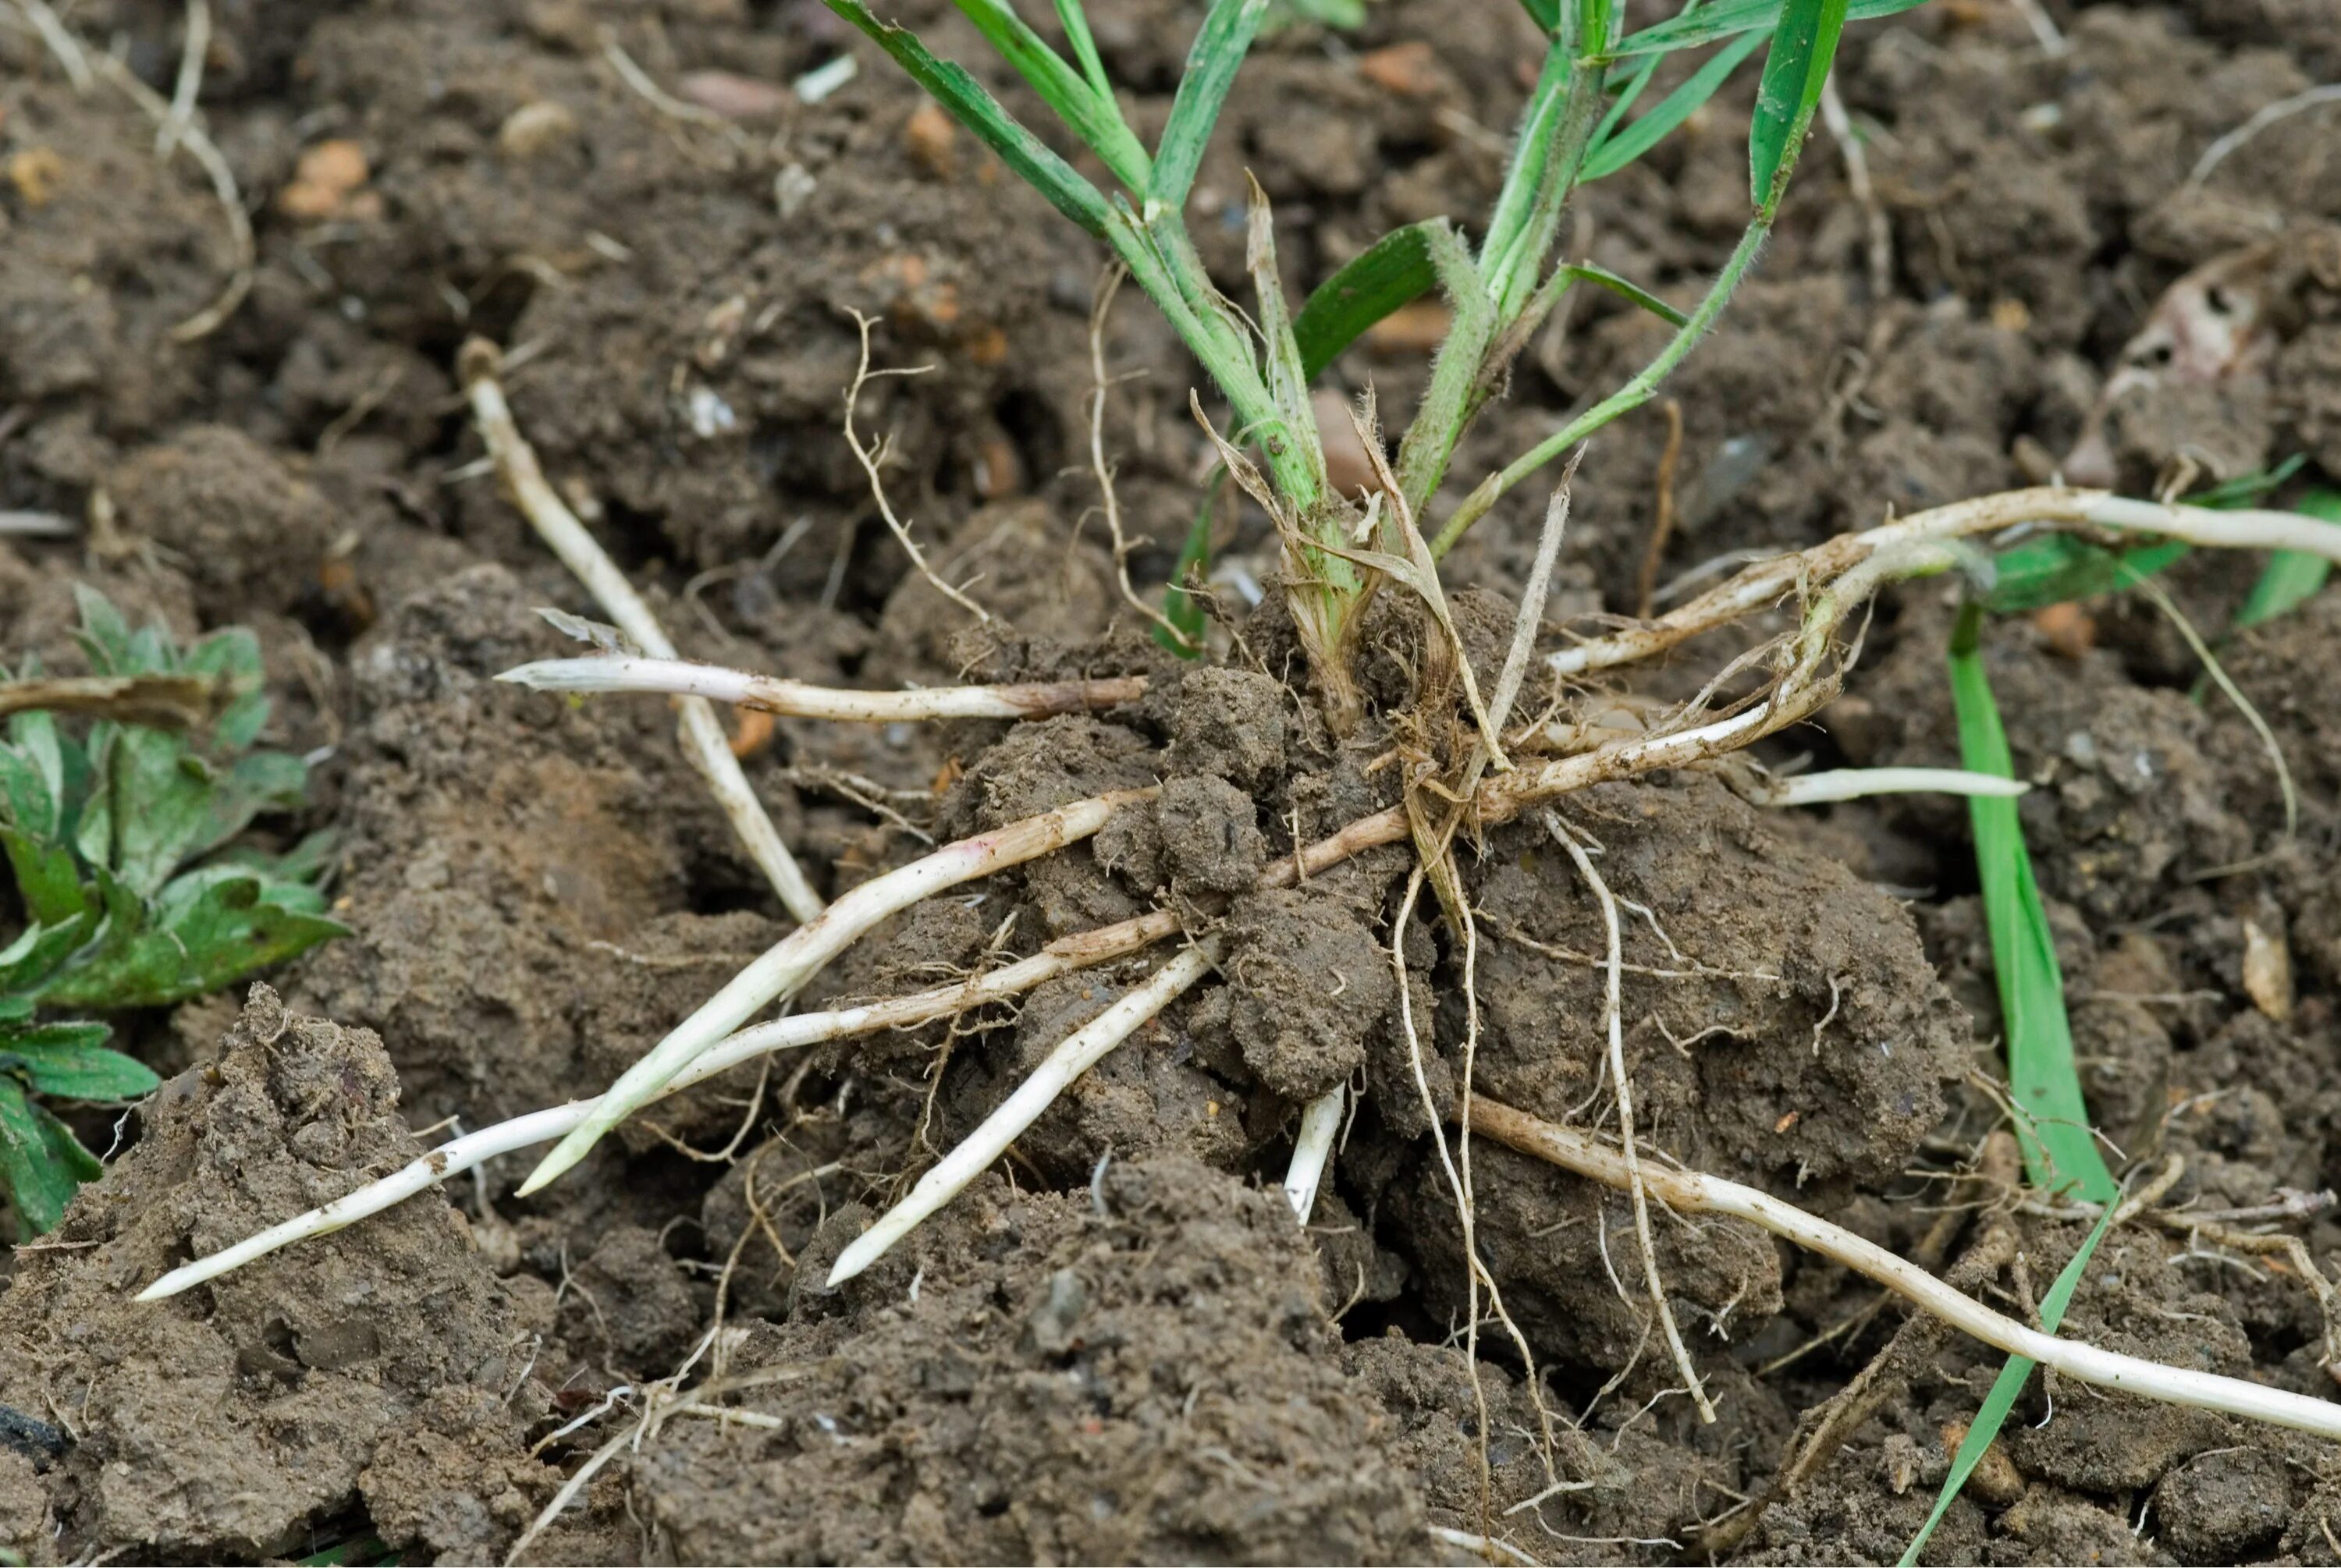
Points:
(1612, 1013)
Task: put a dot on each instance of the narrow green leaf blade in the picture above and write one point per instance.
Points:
(1725, 17)
(1545, 13)
(1076, 24)
(1094, 116)
(2058, 569)
(1993, 1414)
(1220, 45)
(1619, 148)
(1395, 270)
(1796, 69)
(1603, 277)
(2060, 1152)
(1179, 607)
(2291, 576)
(980, 112)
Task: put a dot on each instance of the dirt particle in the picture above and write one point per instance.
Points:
(1210, 842)
(330, 182)
(2224, 1506)
(1230, 722)
(1311, 983)
(534, 129)
(931, 141)
(36, 172)
(733, 95)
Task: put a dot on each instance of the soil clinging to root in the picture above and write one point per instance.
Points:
(1118, 1345)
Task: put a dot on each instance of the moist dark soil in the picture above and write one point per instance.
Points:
(1119, 1345)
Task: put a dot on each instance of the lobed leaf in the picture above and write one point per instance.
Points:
(41, 1164)
(209, 928)
(69, 1059)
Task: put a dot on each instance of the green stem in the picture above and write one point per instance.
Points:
(1556, 129)
(1625, 400)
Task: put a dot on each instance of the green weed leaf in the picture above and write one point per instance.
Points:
(209, 928)
(1181, 608)
(1727, 17)
(1076, 24)
(41, 1164)
(1602, 277)
(1220, 45)
(1092, 113)
(980, 112)
(2291, 576)
(1395, 270)
(1614, 149)
(69, 1059)
(2005, 1388)
(1796, 69)
(2061, 1153)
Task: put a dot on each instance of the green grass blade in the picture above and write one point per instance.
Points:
(2291, 576)
(1727, 17)
(2061, 1153)
(1613, 152)
(1183, 609)
(1545, 13)
(1220, 45)
(1076, 24)
(1625, 288)
(1395, 270)
(980, 112)
(1094, 116)
(1993, 1414)
(2058, 569)
(1796, 69)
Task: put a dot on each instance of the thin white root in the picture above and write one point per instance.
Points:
(1858, 783)
(1487, 1546)
(871, 458)
(61, 42)
(193, 48)
(1692, 1192)
(1319, 1124)
(2216, 152)
(796, 699)
(704, 743)
(460, 1155)
(206, 155)
(1100, 308)
(794, 960)
(1766, 580)
(1080, 1050)
(1613, 1010)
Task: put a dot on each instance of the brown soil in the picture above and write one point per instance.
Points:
(1117, 1345)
